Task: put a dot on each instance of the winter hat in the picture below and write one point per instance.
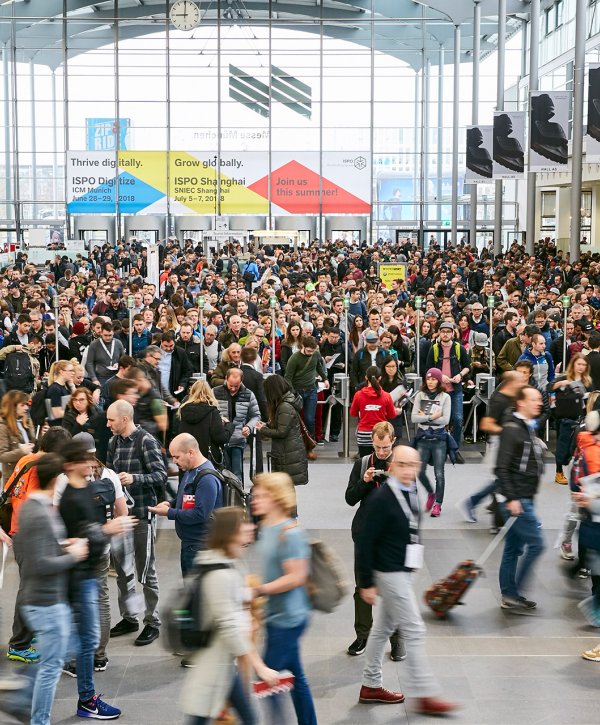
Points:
(434, 373)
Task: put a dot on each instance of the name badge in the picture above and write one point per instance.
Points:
(413, 558)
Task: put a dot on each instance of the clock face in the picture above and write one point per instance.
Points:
(185, 15)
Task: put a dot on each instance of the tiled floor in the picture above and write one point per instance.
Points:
(503, 668)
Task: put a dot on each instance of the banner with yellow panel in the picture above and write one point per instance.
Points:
(200, 183)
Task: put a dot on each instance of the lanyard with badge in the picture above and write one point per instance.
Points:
(413, 558)
(110, 354)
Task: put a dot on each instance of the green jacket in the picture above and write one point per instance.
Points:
(302, 370)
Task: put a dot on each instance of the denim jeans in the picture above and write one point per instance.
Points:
(433, 452)
(51, 626)
(188, 554)
(488, 490)
(238, 699)
(309, 408)
(234, 460)
(524, 539)
(564, 437)
(103, 605)
(283, 653)
(85, 636)
(456, 413)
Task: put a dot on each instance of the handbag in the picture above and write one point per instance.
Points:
(309, 441)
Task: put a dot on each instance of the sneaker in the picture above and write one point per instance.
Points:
(435, 706)
(494, 530)
(527, 603)
(97, 709)
(561, 479)
(380, 694)
(357, 647)
(187, 662)
(69, 669)
(517, 603)
(430, 501)
(100, 664)
(593, 655)
(566, 551)
(333, 439)
(124, 627)
(436, 510)
(468, 512)
(590, 611)
(147, 636)
(320, 443)
(23, 655)
(583, 573)
(398, 652)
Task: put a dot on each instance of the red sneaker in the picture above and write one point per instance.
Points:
(435, 706)
(380, 694)
(430, 501)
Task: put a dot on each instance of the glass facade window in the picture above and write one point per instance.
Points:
(318, 111)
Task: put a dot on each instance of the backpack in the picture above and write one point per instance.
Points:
(38, 411)
(18, 372)
(327, 584)
(104, 495)
(569, 402)
(231, 486)
(436, 351)
(247, 275)
(182, 617)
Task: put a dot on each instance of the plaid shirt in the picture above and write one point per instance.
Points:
(149, 474)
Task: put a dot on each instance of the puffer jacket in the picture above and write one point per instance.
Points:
(287, 448)
(202, 420)
(247, 412)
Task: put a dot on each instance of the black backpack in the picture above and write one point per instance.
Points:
(569, 402)
(231, 486)
(104, 495)
(38, 410)
(18, 372)
(182, 617)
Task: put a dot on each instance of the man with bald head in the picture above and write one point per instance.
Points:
(136, 457)
(199, 493)
(388, 552)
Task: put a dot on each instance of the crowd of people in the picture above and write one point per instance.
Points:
(232, 362)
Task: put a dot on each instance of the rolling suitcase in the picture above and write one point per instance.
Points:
(446, 593)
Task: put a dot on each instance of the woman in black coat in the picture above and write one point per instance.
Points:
(200, 417)
(288, 453)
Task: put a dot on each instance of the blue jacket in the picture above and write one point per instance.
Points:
(537, 362)
(139, 343)
(252, 268)
(191, 522)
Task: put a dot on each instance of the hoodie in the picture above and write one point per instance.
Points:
(203, 421)
(371, 408)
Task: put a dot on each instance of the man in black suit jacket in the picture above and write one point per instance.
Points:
(180, 369)
(254, 381)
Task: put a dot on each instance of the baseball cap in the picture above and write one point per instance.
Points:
(87, 439)
(480, 339)
(554, 290)
(371, 336)
(586, 325)
(447, 326)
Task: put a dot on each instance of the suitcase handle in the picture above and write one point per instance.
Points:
(496, 541)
